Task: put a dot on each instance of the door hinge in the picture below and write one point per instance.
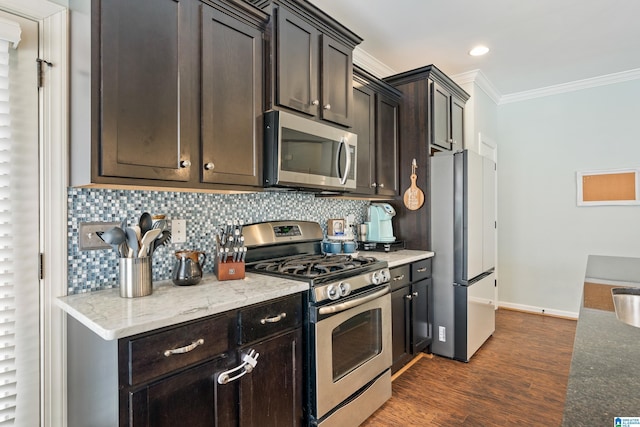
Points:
(41, 266)
(41, 63)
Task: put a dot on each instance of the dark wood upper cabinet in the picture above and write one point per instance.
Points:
(231, 76)
(375, 118)
(337, 73)
(312, 61)
(177, 93)
(297, 64)
(430, 118)
(146, 117)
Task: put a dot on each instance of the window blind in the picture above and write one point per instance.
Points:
(9, 37)
(7, 295)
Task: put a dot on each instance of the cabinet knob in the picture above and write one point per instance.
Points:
(315, 102)
(414, 294)
(374, 185)
(408, 296)
(209, 166)
(381, 186)
(327, 107)
(185, 163)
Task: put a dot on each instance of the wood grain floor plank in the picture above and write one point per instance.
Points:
(518, 377)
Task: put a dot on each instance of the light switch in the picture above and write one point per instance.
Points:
(178, 231)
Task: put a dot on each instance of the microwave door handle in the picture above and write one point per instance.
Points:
(343, 143)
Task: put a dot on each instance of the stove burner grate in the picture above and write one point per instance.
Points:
(314, 265)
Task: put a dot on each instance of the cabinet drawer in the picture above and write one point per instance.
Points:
(421, 270)
(151, 356)
(262, 320)
(400, 276)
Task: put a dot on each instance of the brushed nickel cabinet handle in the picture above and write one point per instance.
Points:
(185, 164)
(399, 277)
(185, 349)
(421, 270)
(315, 102)
(273, 319)
(327, 107)
(209, 166)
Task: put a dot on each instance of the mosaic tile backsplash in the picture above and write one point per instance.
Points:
(98, 269)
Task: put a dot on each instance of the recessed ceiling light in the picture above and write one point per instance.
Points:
(478, 51)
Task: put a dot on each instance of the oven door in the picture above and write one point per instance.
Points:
(352, 346)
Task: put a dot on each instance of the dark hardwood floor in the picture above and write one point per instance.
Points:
(517, 378)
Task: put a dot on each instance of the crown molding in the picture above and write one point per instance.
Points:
(366, 61)
(478, 77)
(572, 86)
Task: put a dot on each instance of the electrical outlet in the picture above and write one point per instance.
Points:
(178, 231)
(88, 240)
(442, 333)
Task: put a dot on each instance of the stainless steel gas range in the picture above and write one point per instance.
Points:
(348, 319)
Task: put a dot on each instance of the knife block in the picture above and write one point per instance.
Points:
(229, 270)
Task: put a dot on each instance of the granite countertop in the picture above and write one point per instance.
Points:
(604, 380)
(112, 317)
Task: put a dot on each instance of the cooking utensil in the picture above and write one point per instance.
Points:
(146, 241)
(113, 237)
(132, 241)
(413, 197)
(161, 224)
(145, 223)
(161, 240)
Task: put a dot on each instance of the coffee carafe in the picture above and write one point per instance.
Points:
(379, 227)
(188, 268)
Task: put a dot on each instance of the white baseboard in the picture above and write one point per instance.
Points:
(538, 310)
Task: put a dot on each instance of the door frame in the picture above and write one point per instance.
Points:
(53, 113)
(488, 148)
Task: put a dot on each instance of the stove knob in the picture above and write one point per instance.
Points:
(345, 288)
(332, 292)
(386, 275)
(375, 278)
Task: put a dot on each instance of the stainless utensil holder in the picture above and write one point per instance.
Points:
(135, 277)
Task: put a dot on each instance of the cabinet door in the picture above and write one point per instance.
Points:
(271, 395)
(441, 114)
(297, 64)
(146, 95)
(421, 316)
(192, 397)
(231, 100)
(364, 126)
(337, 75)
(400, 327)
(386, 146)
(457, 122)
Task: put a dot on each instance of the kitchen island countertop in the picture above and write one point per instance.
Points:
(604, 380)
(112, 317)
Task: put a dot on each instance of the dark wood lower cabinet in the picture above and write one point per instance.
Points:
(192, 398)
(411, 311)
(270, 394)
(169, 377)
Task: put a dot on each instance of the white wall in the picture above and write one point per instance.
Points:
(543, 237)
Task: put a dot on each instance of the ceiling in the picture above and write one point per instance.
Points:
(534, 44)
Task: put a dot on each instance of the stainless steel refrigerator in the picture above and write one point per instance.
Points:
(463, 225)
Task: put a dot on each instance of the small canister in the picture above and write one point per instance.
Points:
(349, 247)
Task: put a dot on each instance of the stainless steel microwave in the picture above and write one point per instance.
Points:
(302, 153)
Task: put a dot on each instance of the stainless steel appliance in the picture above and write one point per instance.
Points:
(379, 226)
(463, 238)
(302, 153)
(348, 319)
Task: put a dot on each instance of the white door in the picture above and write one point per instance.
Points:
(20, 230)
(489, 213)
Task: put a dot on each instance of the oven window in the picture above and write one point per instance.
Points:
(356, 341)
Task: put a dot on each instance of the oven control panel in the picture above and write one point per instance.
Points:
(286, 230)
(349, 286)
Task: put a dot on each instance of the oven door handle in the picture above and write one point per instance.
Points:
(336, 308)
